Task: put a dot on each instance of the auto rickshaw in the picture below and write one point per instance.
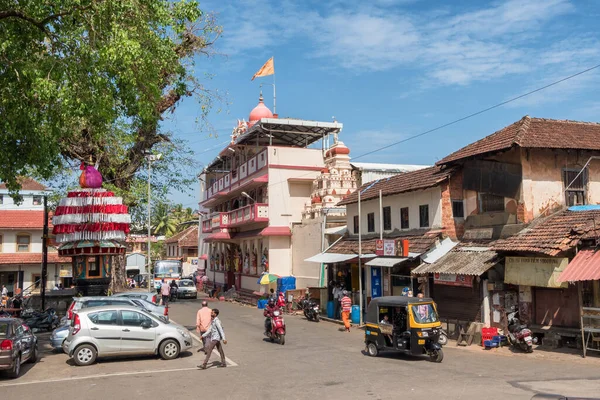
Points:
(406, 324)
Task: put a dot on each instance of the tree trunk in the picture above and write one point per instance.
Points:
(118, 276)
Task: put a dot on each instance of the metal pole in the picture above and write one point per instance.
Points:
(360, 302)
(274, 96)
(149, 262)
(380, 216)
(44, 254)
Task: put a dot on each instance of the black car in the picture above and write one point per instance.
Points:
(17, 346)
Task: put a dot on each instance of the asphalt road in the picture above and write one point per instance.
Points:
(317, 361)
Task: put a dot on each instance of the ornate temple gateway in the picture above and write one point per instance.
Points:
(90, 226)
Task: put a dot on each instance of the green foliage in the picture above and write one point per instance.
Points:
(91, 79)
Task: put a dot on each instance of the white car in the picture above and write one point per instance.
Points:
(187, 289)
(122, 331)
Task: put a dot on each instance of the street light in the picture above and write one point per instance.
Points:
(151, 158)
(246, 195)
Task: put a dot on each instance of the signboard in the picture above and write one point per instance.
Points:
(375, 282)
(535, 271)
(453, 279)
(66, 271)
(387, 247)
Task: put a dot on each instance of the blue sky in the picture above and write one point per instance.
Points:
(390, 69)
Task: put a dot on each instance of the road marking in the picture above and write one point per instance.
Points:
(197, 338)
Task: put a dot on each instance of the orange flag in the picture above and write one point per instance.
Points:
(265, 70)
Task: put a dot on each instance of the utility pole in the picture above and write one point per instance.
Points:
(44, 254)
(151, 158)
(360, 294)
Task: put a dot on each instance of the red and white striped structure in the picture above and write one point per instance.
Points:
(91, 214)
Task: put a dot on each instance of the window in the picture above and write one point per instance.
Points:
(575, 194)
(387, 218)
(458, 210)
(37, 200)
(356, 224)
(23, 242)
(371, 222)
(491, 202)
(144, 246)
(37, 280)
(404, 218)
(104, 318)
(424, 216)
(133, 318)
(1, 199)
(93, 269)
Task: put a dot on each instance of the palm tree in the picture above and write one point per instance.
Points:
(163, 221)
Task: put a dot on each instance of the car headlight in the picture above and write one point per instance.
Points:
(183, 333)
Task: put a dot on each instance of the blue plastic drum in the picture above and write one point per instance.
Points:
(330, 309)
(355, 315)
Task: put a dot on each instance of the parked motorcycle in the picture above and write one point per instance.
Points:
(310, 309)
(518, 334)
(42, 321)
(173, 293)
(277, 330)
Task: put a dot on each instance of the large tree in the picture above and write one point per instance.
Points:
(92, 80)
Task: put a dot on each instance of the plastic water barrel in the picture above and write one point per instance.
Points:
(330, 309)
(261, 303)
(355, 314)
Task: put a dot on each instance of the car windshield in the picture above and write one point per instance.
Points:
(3, 329)
(186, 283)
(167, 269)
(424, 313)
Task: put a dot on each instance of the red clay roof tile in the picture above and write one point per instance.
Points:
(27, 184)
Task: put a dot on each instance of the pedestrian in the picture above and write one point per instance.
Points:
(337, 296)
(346, 304)
(165, 291)
(214, 335)
(4, 291)
(203, 318)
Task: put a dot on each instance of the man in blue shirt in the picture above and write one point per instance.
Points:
(214, 334)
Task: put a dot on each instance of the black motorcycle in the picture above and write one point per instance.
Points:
(310, 309)
(42, 321)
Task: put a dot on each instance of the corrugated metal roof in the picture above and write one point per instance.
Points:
(584, 267)
(438, 251)
(326, 258)
(461, 263)
(385, 261)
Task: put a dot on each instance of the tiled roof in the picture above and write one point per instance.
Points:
(31, 258)
(555, 234)
(417, 243)
(22, 219)
(27, 184)
(534, 133)
(406, 182)
(185, 238)
(461, 262)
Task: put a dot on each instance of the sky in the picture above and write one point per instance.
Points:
(391, 69)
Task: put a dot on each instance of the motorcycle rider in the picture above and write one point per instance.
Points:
(268, 313)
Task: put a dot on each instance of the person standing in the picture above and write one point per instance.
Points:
(165, 291)
(346, 304)
(4, 291)
(214, 335)
(203, 318)
(337, 296)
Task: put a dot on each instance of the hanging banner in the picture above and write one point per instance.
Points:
(453, 280)
(535, 271)
(66, 271)
(379, 247)
(385, 247)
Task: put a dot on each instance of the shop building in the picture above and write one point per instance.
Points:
(256, 190)
(184, 246)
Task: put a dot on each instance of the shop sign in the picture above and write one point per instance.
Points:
(535, 271)
(66, 271)
(387, 247)
(453, 279)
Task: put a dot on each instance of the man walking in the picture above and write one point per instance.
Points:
(346, 308)
(214, 336)
(203, 319)
(165, 291)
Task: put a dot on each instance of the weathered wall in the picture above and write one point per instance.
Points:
(280, 255)
(412, 200)
(452, 190)
(306, 242)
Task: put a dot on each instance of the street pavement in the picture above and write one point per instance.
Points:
(317, 361)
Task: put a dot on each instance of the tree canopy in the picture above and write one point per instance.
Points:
(85, 80)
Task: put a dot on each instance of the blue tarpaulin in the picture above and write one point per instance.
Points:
(589, 207)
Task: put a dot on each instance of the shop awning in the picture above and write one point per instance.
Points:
(438, 251)
(218, 236)
(385, 261)
(327, 258)
(584, 267)
(460, 263)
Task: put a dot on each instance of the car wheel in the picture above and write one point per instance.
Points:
(16, 369)
(84, 355)
(169, 349)
(372, 349)
(34, 357)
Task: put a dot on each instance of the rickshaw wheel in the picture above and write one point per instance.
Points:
(372, 350)
(436, 356)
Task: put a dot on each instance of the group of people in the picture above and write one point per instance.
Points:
(165, 290)
(209, 327)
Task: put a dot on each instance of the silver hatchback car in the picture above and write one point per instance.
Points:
(122, 331)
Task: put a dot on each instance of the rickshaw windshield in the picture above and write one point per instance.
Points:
(424, 313)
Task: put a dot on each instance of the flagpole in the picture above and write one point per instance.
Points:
(274, 95)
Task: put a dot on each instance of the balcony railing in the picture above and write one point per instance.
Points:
(252, 213)
(250, 167)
